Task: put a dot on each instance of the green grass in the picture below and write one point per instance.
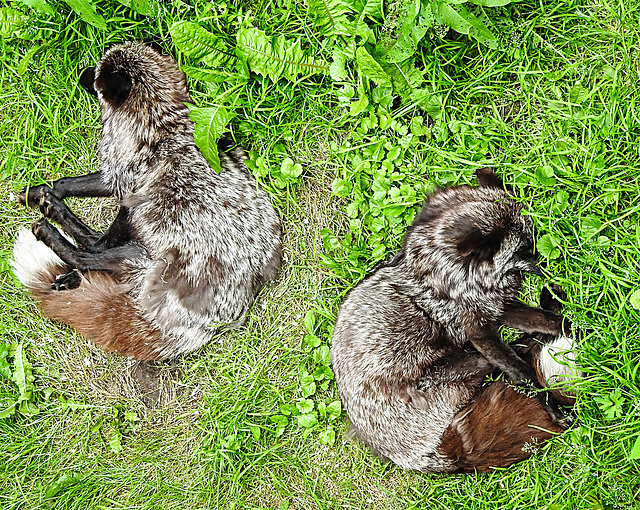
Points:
(558, 119)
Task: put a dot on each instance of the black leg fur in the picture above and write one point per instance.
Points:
(110, 260)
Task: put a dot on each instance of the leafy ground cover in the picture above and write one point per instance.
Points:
(352, 111)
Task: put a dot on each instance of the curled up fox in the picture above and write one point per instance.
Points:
(189, 248)
(415, 341)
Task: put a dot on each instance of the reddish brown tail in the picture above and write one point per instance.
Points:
(501, 427)
(100, 308)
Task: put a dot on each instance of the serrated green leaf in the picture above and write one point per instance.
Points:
(370, 68)
(10, 410)
(490, 3)
(210, 125)
(329, 16)
(39, 5)
(463, 21)
(197, 43)
(87, 11)
(276, 57)
(24, 61)
(634, 299)
(10, 21)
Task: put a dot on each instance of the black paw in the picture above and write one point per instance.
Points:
(32, 196)
(46, 204)
(40, 229)
(67, 281)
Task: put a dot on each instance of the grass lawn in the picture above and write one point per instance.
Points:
(251, 421)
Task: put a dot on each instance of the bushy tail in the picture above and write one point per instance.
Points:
(100, 308)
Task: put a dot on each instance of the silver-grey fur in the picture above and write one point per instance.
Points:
(403, 354)
(207, 241)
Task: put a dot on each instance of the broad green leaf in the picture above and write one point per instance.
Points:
(114, 442)
(307, 385)
(275, 57)
(589, 226)
(545, 175)
(334, 409)
(312, 341)
(322, 355)
(305, 406)
(547, 245)
(281, 423)
(337, 69)
(39, 5)
(210, 125)
(197, 43)
(341, 187)
(87, 11)
(578, 94)
(9, 411)
(560, 201)
(22, 374)
(327, 436)
(309, 321)
(635, 451)
(289, 409)
(144, 7)
(209, 75)
(308, 420)
(635, 299)
(289, 169)
(368, 66)
(357, 107)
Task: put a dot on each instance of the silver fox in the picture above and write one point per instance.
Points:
(189, 248)
(415, 341)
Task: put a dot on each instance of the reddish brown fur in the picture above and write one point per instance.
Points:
(100, 309)
(493, 431)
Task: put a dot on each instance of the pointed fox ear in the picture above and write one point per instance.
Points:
(115, 87)
(487, 179)
(86, 80)
(472, 241)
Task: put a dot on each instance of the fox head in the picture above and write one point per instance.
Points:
(471, 240)
(133, 77)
